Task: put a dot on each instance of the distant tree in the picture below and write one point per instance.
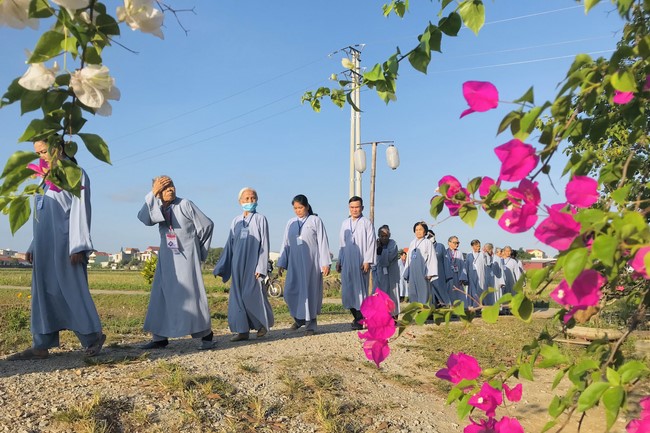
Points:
(213, 256)
(149, 269)
(523, 254)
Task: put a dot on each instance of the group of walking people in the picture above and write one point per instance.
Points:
(178, 304)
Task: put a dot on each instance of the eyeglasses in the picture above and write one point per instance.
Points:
(455, 242)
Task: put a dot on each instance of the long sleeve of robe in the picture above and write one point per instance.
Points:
(178, 305)
(60, 295)
(421, 263)
(387, 274)
(358, 245)
(305, 251)
(241, 259)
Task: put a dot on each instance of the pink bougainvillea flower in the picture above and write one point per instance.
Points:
(378, 320)
(460, 366)
(642, 424)
(508, 425)
(41, 171)
(487, 399)
(559, 229)
(527, 192)
(518, 159)
(584, 292)
(647, 83)
(513, 394)
(480, 96)
(454, 193)
(482, 426)
(638, 263)
(486, 184)
(518, 219)
(622, 98)
(582, 191)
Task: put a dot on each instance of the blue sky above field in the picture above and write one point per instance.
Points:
(219, 108)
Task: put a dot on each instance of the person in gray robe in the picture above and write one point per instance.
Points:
(492, 276)
(245, 259)
(455, 272)
(512, 270)
(305, 254)
(178, 305)
(477, 265)
(439, 285)
(60, 298)
(386, 273)
(357, 253)
(422, 266)
(403, 284)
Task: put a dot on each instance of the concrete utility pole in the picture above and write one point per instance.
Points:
(355, 116)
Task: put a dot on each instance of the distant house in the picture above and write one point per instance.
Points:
(535, 263)
(6, 261)
(124, 256)
(7, 252)
(149, 253)
(538, 254)
(99, 257)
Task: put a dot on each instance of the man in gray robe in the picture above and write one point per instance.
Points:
(478, 263)
(305, 254)
(455, 271)
(386, 273)
(245, 259)
(59, 253)
(512, 270)
(358, 251)
(178, 304)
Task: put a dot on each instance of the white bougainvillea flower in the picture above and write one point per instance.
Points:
(141, 15)
(38, 77)
(93, 86)
(72, 5)
(15, 14)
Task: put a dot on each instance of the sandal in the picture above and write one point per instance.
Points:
(27, 355)
(96, 347)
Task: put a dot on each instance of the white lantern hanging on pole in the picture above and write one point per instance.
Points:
(392, 157)
(360, 160)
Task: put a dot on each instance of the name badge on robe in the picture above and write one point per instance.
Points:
(454, 268)
(244, 233)
(385, 271)
(298, 240)
(39, 201)
(415, 254)
(172, 242)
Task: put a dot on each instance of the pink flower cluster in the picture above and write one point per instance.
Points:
(455, 194)
(480, 96)
(638, 263)
(378, 320)
(461, 366)
(641, 424)
(622, 98)
(41, 170)
(583, 293)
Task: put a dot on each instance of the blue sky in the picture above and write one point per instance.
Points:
(219, 109)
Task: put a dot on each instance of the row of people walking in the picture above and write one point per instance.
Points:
(178, 303)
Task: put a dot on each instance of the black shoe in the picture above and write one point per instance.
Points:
(208, 337)
(160, 344)
(356, 325)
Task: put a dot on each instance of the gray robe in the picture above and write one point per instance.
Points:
(386, 274)
(512, 271)
(403, 284)
(358, 246)
(303, 287)
(478, 273)
(178, 305)
(421, 263)
(243, 257)
(456, 273)
(60, 295)
(439, 285)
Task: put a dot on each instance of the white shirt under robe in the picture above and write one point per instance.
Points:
(358, 246)
(178, 305)
(305, 251)
(386, 273)
(456, 274)
(246, 253)
(421, 262)
(60, 295)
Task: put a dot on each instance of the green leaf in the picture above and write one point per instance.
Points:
(472, 185)
(19, 212)
(39, 129)
(92, 56)
(469, 214)
(463, 408)
(374, 74)
(624, 81)
(72, 173)
(420, 58)
(17, 161)
(507, 120)
(613, 400)
(422, 316)
(575, 263)
(604, 248)
(526, 371)
(551, 356)
(631, 371)
(437, 205)
(591, 395)
(97, 146)
(537, 276)
(590, 4)
(613, 377)
(451, 24)
(473, 14)
(558, 377)
(107, 25)
(577, 372)
(14, 93)
(526, 97)
(620, 195)
(40, 9)
(490, 314)
(549, 425)
(48, 46)
(522, 307)
(14, 178)
(31, 100)
(556, 407)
